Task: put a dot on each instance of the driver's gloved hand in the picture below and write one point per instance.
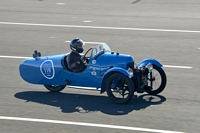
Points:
(83, 59)
(78, 63)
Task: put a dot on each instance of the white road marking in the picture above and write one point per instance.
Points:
(60, 3)
(15, 57)
(20, 57)
(177, 66)
(87, 124)
(87, 21)
(90, 42)
(97, 27)
(52, 37)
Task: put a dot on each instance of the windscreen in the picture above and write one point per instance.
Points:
(99, 48)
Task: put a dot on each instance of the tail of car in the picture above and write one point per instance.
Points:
(43, 70)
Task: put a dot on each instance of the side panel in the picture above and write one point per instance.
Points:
(90, 77)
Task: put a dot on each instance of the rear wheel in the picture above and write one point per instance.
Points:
(156, 81)
(55, 88)
(119, 88)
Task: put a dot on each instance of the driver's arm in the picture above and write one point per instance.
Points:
(73, 61)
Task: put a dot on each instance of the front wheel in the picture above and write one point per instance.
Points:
(156, 81)
(119, 88)
(55, 88)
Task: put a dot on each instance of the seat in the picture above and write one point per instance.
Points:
(65, 65)
(64, 62)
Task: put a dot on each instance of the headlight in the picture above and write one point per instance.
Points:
(150, 67)
(135, 65)
(130, 71)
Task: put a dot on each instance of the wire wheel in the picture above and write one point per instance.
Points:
(156, 81)
(119, 88)
(55, 88)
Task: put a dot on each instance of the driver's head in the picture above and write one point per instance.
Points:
(77, 45)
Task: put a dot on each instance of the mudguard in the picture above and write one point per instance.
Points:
(109, 72)
(118, 69)
(149, 60)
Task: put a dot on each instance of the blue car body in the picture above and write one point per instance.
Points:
(49, 70)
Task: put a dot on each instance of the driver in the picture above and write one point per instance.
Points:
(75, 60)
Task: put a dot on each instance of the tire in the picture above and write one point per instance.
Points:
(55, 88)
(154, 87)
(119, 88)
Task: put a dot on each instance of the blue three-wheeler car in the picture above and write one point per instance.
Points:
(114, 73)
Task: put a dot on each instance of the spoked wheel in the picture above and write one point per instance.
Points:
(55, 88)
(156, 81)
(119, 88)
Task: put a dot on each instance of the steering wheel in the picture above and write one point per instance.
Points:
(87, 58)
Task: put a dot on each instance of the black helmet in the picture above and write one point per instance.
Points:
(77, 45)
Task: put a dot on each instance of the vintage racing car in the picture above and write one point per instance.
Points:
(115, 73)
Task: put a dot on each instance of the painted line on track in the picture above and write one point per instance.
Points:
(20, 57)
(60, 3)
(14, 57)
(98, 27)
(90, 42)
(87, 124)
(187, 67)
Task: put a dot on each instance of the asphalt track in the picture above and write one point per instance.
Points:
(165, 30)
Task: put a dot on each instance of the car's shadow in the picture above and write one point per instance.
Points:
(83, 103)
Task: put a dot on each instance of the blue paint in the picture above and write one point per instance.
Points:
(48, 70)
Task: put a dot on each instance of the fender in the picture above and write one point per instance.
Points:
(109, 72)
(149, 60)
